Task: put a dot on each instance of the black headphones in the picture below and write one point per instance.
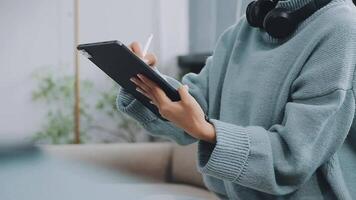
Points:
(279, 22)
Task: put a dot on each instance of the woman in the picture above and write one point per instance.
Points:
(280, 106)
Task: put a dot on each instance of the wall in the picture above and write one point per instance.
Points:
(38, 34)
(34, 34)
(209, 18)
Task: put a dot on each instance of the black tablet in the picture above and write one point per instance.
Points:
(118, 62)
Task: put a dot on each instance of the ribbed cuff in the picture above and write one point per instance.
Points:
(293, 5)
(128, 104)
(228, 157)
(125, 97)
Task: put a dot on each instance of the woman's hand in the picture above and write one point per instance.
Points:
(149, 58)
(186, 113)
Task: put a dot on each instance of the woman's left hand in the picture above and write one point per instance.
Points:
(186, 113)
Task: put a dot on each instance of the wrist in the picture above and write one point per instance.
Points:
(208, 132)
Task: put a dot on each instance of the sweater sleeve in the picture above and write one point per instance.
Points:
(317, 119)
(198, 88)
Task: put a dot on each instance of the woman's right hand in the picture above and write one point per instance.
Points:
(149, 58)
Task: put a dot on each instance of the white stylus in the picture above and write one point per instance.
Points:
(147, 46)
(145, 50)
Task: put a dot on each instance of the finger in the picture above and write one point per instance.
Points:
(136, 48)
(149, 96)
(184, 93)
(142, 92)
(150, 59)
(145, 89)
(141, 84)
(154, 102)
(156, 91)
(147, 81)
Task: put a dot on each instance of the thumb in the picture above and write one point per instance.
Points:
(184, 93)
(150, 59)
(136, 48)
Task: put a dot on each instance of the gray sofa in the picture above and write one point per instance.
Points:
(162, 166)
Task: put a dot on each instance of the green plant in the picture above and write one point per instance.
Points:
(57, 92)
(107, 105)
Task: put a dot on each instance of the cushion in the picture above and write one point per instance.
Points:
(146, 160)
(184, 168)
(169, 192)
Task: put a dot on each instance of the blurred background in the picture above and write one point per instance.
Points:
(38, 61)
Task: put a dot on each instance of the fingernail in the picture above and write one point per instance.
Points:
(186, 86)
(139, 90)
(141, 77)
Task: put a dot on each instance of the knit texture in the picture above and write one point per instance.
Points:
(283, 110)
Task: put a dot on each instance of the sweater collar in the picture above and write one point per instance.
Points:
(292, 4)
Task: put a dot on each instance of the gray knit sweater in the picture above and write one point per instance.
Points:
(282, 109)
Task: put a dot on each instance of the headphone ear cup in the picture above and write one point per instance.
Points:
(251, 14)
(257, 10)
(279, 23)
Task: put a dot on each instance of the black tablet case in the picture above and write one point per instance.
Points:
(118, 62)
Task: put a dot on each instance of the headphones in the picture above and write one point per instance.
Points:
(279, 22)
